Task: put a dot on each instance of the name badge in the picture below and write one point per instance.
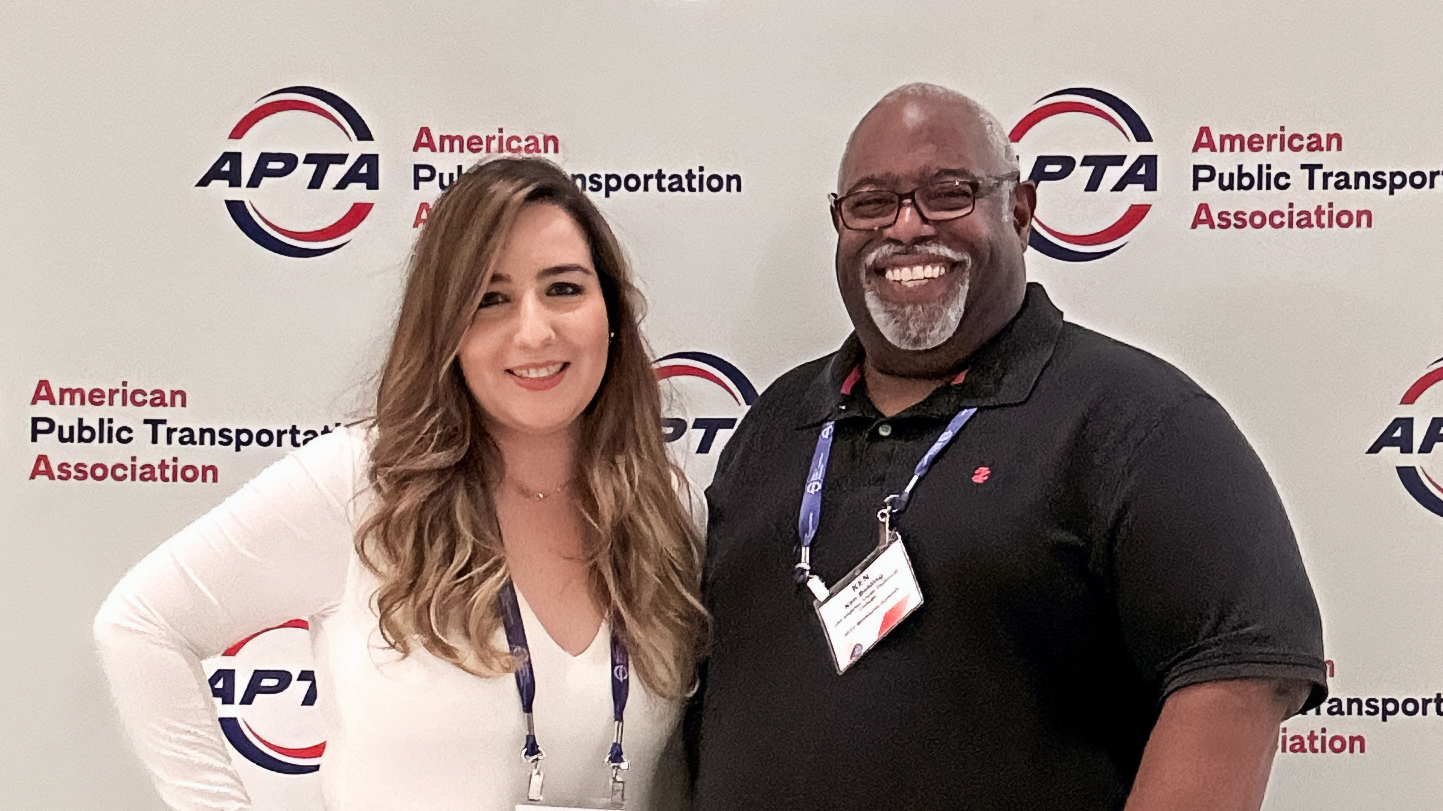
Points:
(865, 606)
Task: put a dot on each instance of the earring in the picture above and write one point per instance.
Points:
(612, 337)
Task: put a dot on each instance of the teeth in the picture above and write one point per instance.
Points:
(915, 273)
(537, 371)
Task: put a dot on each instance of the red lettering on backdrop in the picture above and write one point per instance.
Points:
(1204, 216)
(43, 394)
(42, 468)
(1204, 140)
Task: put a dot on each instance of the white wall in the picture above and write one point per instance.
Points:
(116, 267)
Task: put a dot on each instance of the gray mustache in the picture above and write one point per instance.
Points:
(922, 252)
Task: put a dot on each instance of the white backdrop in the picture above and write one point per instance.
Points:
(119, 270)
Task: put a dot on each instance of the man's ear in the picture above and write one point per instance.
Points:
(836, 218)
(1024, 206)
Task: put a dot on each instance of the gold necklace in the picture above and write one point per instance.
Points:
(536, 494)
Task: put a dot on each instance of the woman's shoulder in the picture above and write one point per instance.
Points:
(335, 464)
(347, 447)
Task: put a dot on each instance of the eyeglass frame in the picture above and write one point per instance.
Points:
(981, 187)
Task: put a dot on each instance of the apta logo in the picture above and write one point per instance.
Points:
(1423, 487)
(1081, 126)
(724, 377)
(240, 714)
(314, 228)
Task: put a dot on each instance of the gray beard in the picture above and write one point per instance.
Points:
(915, 327)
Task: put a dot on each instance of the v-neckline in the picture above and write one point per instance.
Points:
(530, 620)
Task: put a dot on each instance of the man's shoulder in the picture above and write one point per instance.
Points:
(795, 392)
(798, 397)
(790, 401)
(1117, 373)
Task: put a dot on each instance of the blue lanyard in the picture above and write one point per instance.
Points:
(526, 687)
(811, 515)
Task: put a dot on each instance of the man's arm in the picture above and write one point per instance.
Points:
(1213, 746)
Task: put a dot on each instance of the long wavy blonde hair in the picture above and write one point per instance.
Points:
(433, 539)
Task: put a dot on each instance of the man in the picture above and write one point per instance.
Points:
(1112, 611)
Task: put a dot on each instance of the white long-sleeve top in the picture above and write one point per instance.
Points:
(402, 733)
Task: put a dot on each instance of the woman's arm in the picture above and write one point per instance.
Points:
(275, 550)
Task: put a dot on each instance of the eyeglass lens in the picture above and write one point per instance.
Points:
(879, 208)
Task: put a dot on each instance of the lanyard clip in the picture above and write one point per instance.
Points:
(885, 534)
(803, 569)
(618, 783)
(802, 573)
(617, 761)
(532, 753)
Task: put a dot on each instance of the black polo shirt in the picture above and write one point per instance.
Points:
(1098, 536)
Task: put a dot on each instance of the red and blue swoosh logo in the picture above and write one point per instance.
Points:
(254, 747)
(710, 368)
(1071, 247)
(264, 231)
(1423, 488)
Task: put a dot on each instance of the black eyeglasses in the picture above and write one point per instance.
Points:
(870, 209)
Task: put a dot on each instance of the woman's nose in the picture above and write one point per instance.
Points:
(534, 327)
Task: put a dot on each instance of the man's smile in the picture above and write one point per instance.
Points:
(913, 275)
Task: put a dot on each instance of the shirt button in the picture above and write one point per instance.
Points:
(884, 429)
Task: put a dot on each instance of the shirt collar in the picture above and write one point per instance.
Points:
(1002, 372)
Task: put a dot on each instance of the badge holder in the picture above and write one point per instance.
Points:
(618, 786)
(867, 604)
(616, 803)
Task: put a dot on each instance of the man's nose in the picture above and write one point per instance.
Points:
(910, 224)
(533, 326)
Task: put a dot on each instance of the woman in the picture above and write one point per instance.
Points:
(513, 484)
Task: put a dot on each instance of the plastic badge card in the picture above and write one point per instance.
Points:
(867, 605)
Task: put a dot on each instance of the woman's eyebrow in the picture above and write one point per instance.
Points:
(558, 270)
